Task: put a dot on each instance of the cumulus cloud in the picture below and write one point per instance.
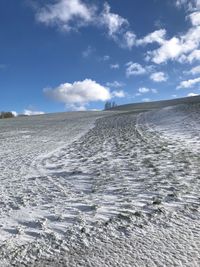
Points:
(158, 77)
(179, 3)
(113, 22)
(32, 112)
(117, 27)
(129, 39)
(79, 92)
(192, 94)
(66, 14)
(169, 50)
(154, 37)
(70, 15)
(195, 18)
(183, 47)
(189, 83)
(134, 69)
(119, 94)
(76, 95)
(195, 70)
(183, 3)
(188, 4)
(178, 47)
(14, 113)
(193, 56)
(144, 90)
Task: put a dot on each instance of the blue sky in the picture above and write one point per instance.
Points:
(59, 55)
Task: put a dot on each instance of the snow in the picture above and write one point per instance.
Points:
(101, 189)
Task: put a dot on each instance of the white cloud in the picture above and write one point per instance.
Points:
(157, 36)
(183, 47)
(69, 15)
(32, 112)
(176, 48)
(188, 4)
(170, 49)
(192, 94)
(144, 90)
(66, 14)
(119, 94)
(194, 56)
(180, 3)
(76, 95)
(117, 27)
(189, 83)
(114, 66)
(195, 70)
(195, 18)
(134, 69)
(113, 22)
(79, 92)
(72, 14)
(14, 113)
(158, 77)
(146, 100)
(129, 39)
(115, 84)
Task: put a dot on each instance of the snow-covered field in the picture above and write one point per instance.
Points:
(101, 189)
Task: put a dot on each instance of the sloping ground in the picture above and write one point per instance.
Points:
(123, 193)
(157, 104)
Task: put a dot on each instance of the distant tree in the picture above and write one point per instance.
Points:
(109, 105)
(114, 104)
(6, 115)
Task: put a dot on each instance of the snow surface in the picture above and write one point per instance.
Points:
(101, 189)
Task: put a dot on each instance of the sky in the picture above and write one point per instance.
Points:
(74, 55)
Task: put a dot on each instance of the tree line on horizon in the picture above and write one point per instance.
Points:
(6, 115)
(109, 105)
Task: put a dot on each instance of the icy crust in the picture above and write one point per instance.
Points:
(163, 240)
(123, 194)
(22, 142)
(180, 123)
